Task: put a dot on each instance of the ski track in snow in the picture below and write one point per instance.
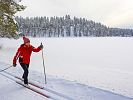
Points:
(109, 61)
(10, 90)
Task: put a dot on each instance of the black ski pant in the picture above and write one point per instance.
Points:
(26, 71)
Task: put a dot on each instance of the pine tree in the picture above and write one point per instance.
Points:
(67, 27)
(8, 25)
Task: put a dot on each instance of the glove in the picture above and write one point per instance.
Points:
(14, 65)
(41, 46)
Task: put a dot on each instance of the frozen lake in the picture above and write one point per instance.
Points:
(104, 63)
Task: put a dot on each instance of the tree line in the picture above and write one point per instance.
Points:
(67, 27)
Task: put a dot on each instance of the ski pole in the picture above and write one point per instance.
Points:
(44, 66)
(5, 69)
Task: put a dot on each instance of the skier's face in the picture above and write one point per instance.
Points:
(27, 44)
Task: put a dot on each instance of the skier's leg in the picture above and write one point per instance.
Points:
(25, 74)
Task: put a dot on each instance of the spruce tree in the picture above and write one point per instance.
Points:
(8, 25)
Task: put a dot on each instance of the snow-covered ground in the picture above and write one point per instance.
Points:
(104, 63)
(57, 88)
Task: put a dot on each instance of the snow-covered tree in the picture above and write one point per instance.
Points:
(8, 25)
(67, 27)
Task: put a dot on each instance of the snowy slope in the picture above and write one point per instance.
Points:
(10, 90)
(104, 63)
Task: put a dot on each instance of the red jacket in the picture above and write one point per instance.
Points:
(25, 52)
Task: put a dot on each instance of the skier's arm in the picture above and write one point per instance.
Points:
(16, 56)
(36, 49)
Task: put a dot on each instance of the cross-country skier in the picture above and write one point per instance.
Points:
(23, 54)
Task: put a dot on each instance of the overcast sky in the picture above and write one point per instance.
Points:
(113, 13)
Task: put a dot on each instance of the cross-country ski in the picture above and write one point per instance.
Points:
(33, 89)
